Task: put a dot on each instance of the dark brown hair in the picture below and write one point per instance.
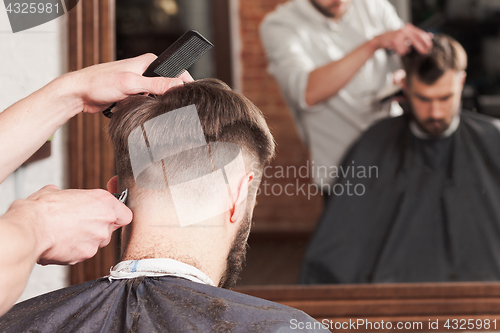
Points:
(446, 53)
(225, 116)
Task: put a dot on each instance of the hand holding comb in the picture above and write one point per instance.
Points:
(177, 58)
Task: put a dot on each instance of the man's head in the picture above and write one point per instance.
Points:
(228, 120)
(434, 83)
(331, 8)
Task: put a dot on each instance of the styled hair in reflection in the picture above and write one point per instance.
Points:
(446, 53)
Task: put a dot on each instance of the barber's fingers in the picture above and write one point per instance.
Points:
(138, 64)
(186, 77)
(160, 85)
(132, 84)
(420, 40)
(119, 213)
(130, 80)
(106, 238)
(420, 44)
(402, 49)
(157, 85)
(123, 214)
(401, 46)
(70, 225)
(106, 241)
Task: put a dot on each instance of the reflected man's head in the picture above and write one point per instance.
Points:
(175, 185)
(434, 83)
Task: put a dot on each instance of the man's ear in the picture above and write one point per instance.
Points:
(113, 185)
(463, 77)
(239, 204)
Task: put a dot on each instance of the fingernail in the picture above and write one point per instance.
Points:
(175, 83)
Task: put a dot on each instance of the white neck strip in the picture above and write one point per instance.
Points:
(158, 267)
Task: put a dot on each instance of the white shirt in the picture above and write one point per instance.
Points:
(298, 39)
(158, 267)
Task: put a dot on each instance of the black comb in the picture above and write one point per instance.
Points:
(178, 57)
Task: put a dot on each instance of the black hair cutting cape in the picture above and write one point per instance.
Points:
(431, 213)
(151, 304)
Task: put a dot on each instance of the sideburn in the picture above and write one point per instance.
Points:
(236, 256)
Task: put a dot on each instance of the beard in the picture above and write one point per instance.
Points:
(433, 127)
(237, 255)
(332, 10)
(322, 10)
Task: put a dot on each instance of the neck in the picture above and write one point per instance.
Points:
(150, 237)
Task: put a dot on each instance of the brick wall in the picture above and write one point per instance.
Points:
(275, 212)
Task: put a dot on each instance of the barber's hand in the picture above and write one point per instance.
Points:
(99, 86)
(401, 40)
(70, 225)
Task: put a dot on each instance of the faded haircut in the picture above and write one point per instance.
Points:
(225, 116)
(446, 54)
